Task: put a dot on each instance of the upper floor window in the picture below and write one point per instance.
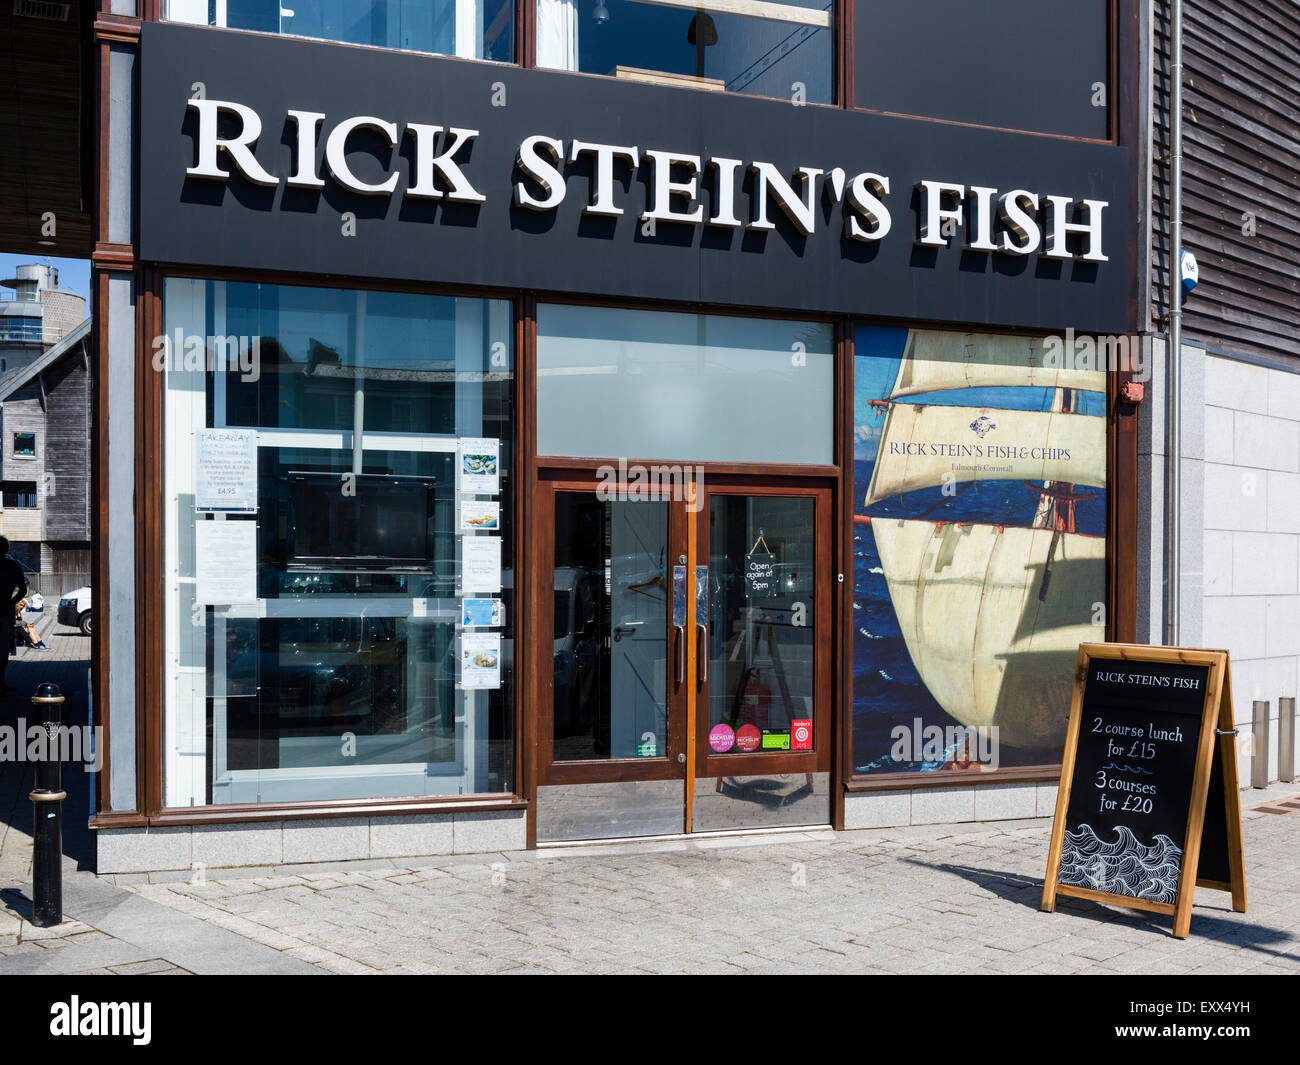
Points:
(21, 329)
(19, 495)
(1036, 65)
(471, 29)
(24, 445)
(757, 47)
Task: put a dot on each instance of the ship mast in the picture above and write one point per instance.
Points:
(1057, 499)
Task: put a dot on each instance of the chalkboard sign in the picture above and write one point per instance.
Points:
(1150, 740)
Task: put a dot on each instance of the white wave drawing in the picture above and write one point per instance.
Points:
(1126, 866)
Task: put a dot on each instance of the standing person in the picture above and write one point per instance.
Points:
(13, 587)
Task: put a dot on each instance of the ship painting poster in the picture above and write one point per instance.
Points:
(979, 547)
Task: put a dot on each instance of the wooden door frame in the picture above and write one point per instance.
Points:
(681, 524)
(541, 643)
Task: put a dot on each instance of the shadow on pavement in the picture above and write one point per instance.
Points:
(1028, 891)
(67, 665)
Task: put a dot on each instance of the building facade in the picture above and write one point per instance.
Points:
(528, 423)
(45, 415)
(45, 431)
(35, 314)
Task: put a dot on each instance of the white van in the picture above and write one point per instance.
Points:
(74, 610)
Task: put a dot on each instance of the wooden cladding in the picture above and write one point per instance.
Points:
(1241, 173)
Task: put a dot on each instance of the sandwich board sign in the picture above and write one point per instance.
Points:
(1148, 806)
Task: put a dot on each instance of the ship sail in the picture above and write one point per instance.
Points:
(992, 623)
(936, 361)
(926, 446)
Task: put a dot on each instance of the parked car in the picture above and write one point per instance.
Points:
(74, 610)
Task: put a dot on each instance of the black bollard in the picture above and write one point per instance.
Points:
(47, 815)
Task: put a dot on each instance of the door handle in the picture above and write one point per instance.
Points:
(679, 617)
(702, 620)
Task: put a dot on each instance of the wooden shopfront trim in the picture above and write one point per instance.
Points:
(556, 470)
(1121, 550)
(842, 516)
(402, 807)
(307, 811)
(568, 462)
(945, 778)
(150, 646)
(151, 652)
(150, 628)
(109, 261)
(529, 613)
(1120, 579)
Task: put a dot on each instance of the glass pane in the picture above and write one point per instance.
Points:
(340, 672)
(610, 658)
(761, 646)
(417, 357)
(707, 388)
(471, 29)
(787, 53)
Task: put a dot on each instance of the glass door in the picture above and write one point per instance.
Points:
(686, 667)
(611, 733)
(764, 650)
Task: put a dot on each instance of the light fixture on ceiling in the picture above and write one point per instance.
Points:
(702, 33)
(601, 14)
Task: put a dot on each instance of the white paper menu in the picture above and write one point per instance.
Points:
(225, 562)
(480, 564)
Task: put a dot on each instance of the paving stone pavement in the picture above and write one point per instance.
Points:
(960, 899)
(70, 947)
(107, 930)
(66, 664)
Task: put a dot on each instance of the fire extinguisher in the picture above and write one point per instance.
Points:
(753, 698)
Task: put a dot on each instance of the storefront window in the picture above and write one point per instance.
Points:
(471, 29)
(708, 388)
(979, 550)
(337, 491)
(769, 49)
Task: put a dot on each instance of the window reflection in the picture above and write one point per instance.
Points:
(341, 679)
(471, 29)
(786, 53)
(610, 628)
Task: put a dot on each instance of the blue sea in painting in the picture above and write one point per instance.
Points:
(887, 690)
